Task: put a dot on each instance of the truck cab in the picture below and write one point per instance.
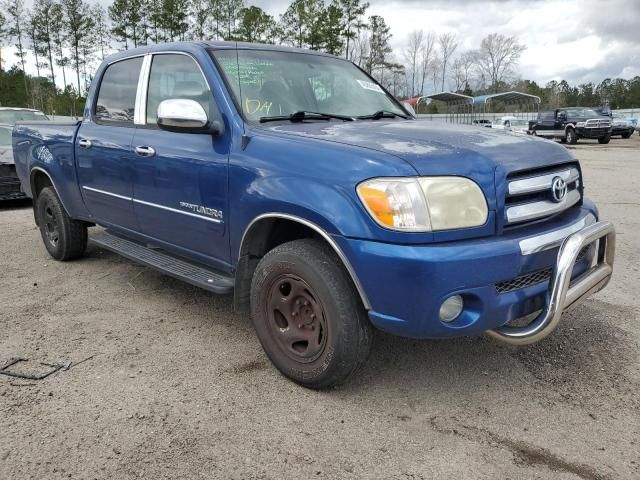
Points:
(572, 123)
(294, 181)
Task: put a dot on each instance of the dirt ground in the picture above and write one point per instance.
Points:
(177, 387)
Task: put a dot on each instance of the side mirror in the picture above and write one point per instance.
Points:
(186, 116)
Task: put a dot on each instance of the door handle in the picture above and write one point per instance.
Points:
(145, 151)
(85, 143)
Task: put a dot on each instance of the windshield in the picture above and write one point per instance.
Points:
(271, 83)
(5, 136)
(10, 117)
(582, 112)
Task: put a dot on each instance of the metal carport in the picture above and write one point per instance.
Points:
(527, 105)
(459, 106)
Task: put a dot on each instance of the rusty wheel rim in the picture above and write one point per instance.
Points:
(51, 226)
(296, 318)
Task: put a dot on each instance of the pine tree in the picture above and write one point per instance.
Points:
(333, 30)
(78, 25)
(255, 25)
(15, 11)
(103, 40)
(379, 47)
(352, 21)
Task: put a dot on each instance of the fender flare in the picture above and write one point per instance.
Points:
(320, 231)
(31, 186)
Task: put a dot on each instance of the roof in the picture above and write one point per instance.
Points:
(451, 97)
(507, 97)
(192, 46)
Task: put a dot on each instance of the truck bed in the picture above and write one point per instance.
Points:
(48, 145)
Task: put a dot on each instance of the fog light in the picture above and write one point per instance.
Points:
(451, 308)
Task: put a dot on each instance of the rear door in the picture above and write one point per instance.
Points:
(180, 186)
(103, 147)
(546, 126)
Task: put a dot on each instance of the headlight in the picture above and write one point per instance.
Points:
(424, 204)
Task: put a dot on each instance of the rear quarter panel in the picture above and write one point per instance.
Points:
(49, 146)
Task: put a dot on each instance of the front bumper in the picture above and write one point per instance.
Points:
(621, 129)
(593, 132)
(10, 187)
(406, 284)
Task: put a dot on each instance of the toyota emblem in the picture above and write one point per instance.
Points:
(558, 189)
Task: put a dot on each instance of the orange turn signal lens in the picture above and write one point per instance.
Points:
(378, 204)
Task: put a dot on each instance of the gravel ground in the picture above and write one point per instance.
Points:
(177, 386)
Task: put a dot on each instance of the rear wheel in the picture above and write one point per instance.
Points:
(308, 315)
(604, 140)
(63, 237)
(626, 134)
(572, 137)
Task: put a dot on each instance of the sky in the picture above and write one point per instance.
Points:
(576, 40)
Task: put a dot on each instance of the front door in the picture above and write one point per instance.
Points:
(180, 186)
(103, 147)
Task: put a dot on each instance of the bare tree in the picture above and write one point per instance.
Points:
(435, 68)
(427, 55)
(462, 69)
(498, 58)
(448, 45)
(412, 56)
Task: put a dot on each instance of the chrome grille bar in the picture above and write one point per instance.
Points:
(542, 182)
(544, 208)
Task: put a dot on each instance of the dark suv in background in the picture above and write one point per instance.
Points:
(571, 123)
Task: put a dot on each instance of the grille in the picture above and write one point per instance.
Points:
(598, 123)
(532, 278)
(530, 195)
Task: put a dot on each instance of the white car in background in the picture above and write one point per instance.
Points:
(10, 188)
(512, 124)
(622, 125)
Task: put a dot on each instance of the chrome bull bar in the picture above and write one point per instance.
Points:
(563, 292)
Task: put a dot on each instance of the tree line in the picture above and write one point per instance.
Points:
(71, 37)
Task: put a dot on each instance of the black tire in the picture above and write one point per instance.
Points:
(604, 140)
(63, 237)
(303, 281)
(626, 135)
(572, 137)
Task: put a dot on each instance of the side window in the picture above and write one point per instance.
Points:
(117, 95)
(175, 76)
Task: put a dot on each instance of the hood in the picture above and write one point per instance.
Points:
(435, 148)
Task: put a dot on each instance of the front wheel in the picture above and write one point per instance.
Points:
(572, 137)
(63, 237)
(308, 315)
(604, 140)
(626, 134)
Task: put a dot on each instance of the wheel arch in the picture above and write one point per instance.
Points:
(268, 230)
(39, 179)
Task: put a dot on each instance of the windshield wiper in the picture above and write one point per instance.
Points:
(304, 115)
(382, 114)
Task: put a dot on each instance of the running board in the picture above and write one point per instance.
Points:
(194, 274)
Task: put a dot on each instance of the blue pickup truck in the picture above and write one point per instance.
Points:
(296, 181)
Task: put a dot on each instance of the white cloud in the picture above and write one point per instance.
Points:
(576, 40)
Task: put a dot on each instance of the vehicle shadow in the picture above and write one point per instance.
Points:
(576, 359)
(15, 204)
